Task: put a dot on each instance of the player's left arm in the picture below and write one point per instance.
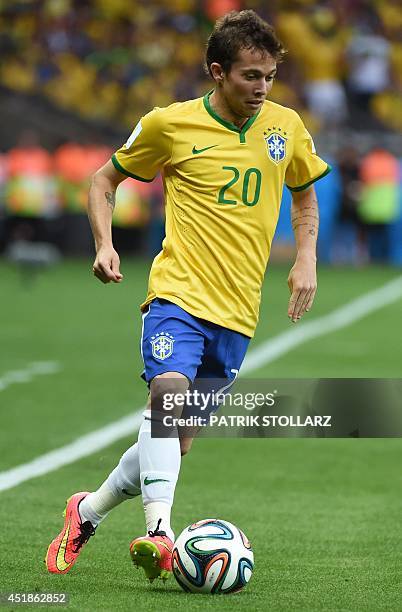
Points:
(302, 279)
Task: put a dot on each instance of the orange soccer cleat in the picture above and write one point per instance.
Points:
(64, 550)
(153, 553)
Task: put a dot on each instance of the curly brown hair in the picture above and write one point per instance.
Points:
(240, 30)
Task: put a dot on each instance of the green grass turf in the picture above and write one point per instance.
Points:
(324, 516)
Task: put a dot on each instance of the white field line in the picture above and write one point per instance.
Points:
(37, 368)
(264, 353)
(81, 447)
(341, 317)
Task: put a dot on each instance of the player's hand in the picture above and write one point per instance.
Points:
(107, 265)
(302, 283)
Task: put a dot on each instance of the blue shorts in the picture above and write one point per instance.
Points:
(173, 340)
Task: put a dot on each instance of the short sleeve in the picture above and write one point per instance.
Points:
(147, 149)
(305, 166)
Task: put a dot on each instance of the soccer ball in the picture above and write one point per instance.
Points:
(212, 556)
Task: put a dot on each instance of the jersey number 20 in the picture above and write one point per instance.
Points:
(249, 199)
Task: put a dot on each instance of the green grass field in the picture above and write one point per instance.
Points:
(324, 516)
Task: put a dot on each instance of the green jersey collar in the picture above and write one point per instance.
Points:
(228, 124)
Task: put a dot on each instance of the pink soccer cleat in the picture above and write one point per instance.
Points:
(153, 553)
(65, 548)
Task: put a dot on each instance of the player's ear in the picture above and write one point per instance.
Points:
(217, 72)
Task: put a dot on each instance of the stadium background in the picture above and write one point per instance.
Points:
(75, 76)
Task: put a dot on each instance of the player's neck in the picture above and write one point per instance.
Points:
(221, 108)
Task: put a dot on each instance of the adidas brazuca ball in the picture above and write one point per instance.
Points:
(212, 556)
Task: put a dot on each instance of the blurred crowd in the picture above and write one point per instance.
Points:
(114, 60)
(369, 216)
(37, 183)
(43, 197)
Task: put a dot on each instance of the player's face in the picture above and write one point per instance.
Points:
(249, 82)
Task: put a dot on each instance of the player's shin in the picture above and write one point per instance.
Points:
(160, 465)
(122, 484)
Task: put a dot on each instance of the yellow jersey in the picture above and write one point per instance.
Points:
(223, 188)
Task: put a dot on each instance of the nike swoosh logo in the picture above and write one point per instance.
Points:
(196, 151)
(147, 481)
(165, 545)
(129, 494)
(60, 559)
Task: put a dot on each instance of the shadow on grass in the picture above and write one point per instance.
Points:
(174, 591)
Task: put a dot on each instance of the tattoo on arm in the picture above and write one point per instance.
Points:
(110, 199)
(306, 216)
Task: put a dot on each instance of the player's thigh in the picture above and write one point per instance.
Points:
(224, 356)
(218, 371)
(171, 341)
(167, 391)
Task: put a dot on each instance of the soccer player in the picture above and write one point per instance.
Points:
(224, 159)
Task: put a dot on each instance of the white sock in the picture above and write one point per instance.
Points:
(95, 506)
(158, 513)
(122, 484)
(159, 469)
(125, 481)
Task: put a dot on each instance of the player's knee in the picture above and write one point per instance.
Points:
(171, 382)
(165, 387)
(185, 446)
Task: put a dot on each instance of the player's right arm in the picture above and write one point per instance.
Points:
(101, 203)
(146, 151)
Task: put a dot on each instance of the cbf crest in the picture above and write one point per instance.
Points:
(275, 140)
(162, 345)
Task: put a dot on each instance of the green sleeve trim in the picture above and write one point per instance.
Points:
(317, 178)
(127, 173)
